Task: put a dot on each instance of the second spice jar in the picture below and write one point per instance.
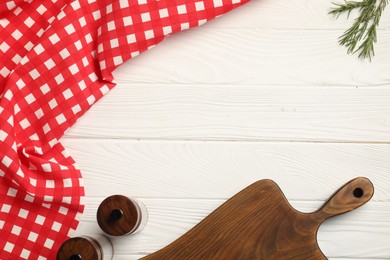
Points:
(97, 247)
(119, 215)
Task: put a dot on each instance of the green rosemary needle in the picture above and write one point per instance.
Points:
(362, 35)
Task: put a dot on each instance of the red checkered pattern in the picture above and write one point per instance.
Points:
(57, 58)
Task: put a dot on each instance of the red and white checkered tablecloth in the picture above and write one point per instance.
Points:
(56, 61)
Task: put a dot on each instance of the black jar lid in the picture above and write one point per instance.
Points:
(118, 215)
(80, 248)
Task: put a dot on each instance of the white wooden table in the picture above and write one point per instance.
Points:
(262, 92)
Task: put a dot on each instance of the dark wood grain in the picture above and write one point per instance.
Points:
(79, 248)
(259, 223)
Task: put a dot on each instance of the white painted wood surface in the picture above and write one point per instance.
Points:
(262, 92)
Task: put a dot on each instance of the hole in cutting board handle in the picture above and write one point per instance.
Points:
(358, 192)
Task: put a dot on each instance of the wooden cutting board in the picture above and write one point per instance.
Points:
(259, 223)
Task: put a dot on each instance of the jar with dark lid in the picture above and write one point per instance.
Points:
(86, 248)
(119, 215)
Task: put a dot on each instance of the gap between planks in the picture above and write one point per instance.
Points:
(220, 140)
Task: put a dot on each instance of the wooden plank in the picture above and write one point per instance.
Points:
(363, 233)
(285, 14)
(221, 169)
(207, 112)
(251, 56)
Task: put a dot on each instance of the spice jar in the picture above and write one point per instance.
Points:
(119, 215)
(86, 248)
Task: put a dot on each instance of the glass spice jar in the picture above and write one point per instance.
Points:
(119, 215)
(86, 248)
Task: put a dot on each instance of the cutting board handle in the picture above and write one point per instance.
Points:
(349, 197)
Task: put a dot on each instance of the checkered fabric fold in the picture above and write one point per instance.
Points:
(56, 61)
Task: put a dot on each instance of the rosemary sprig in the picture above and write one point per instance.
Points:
(362, 35)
